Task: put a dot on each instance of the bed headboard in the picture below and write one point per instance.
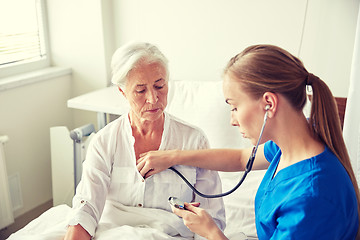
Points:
(341, 105)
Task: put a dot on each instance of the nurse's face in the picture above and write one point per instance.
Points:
(146, 90)
(246, 112)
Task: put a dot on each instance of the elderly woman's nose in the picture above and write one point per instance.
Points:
(152, 96)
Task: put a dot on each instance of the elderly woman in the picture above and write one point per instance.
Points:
(109, 172)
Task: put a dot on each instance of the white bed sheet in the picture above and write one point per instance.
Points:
(122, 222)
(117, 222)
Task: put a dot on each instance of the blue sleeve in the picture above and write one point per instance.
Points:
(270, 150)
(298, 220)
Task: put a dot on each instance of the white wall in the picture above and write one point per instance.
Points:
(27, 113)
(327, 46)
(78, 41)
(199, 37)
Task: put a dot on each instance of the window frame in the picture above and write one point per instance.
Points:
(31, 65)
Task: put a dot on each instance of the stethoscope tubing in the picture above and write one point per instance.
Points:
(247, 170)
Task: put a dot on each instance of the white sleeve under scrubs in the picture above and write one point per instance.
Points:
(312, 199)
(110, 173)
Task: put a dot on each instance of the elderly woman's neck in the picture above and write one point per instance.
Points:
(146, 127)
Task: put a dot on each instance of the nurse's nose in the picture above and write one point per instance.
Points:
(152, 97)
(233, 120)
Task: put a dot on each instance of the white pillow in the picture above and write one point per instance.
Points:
(240, 206)
(202, 104)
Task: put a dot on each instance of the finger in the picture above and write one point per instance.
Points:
(145, 170)
(140, 167)
(143, 154)
(192, 208)
(140, 159)
(179, 212)
(195, 204)
(149, 173)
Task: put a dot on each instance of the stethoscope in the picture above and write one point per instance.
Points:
(247, 168)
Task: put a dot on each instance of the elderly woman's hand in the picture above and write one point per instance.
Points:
(77, 232)
(199, 221)
(154, 162)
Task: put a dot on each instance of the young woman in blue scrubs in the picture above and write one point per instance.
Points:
(309, 190)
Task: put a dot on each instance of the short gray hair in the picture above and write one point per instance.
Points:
(129, 55)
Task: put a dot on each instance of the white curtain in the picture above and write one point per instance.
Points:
(352, 115)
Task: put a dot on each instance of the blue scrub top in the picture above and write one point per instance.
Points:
(311, 199)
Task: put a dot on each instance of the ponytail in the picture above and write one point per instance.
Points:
(325, 124)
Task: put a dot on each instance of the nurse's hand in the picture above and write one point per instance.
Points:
(199, 221)
(154, 162)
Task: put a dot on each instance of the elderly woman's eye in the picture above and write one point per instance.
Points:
(159, 87)
(140, 91)
(234, 109)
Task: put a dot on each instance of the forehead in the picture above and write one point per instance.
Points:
(145, 73)
(233, 90)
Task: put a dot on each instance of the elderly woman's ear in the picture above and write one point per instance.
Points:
(122, 91)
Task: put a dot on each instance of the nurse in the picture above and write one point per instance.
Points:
(309, 190)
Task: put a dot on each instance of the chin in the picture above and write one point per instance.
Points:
(253, 141)
(150, 116)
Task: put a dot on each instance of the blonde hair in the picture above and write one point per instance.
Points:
(268, 68)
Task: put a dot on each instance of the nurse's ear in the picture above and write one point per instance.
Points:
(270, 102)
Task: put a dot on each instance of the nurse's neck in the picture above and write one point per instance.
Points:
(294, 137)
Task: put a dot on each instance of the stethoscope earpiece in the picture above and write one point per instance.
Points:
(267, 107)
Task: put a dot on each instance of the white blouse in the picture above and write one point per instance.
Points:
(110, 173)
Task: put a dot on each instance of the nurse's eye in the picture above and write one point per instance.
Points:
(234, 109)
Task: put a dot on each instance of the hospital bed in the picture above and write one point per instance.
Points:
(199, 103)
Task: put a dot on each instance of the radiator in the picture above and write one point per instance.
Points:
(68, 150)
(6, 211)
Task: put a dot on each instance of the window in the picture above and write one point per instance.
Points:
(23, 45)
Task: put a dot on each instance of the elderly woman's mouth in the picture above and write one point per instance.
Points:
(154, 110)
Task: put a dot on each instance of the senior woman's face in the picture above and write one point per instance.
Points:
(146, 90)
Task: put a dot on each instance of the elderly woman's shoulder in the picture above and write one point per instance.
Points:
(113, 127)
(184, 126)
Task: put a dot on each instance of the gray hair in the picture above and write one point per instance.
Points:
(128, 57)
